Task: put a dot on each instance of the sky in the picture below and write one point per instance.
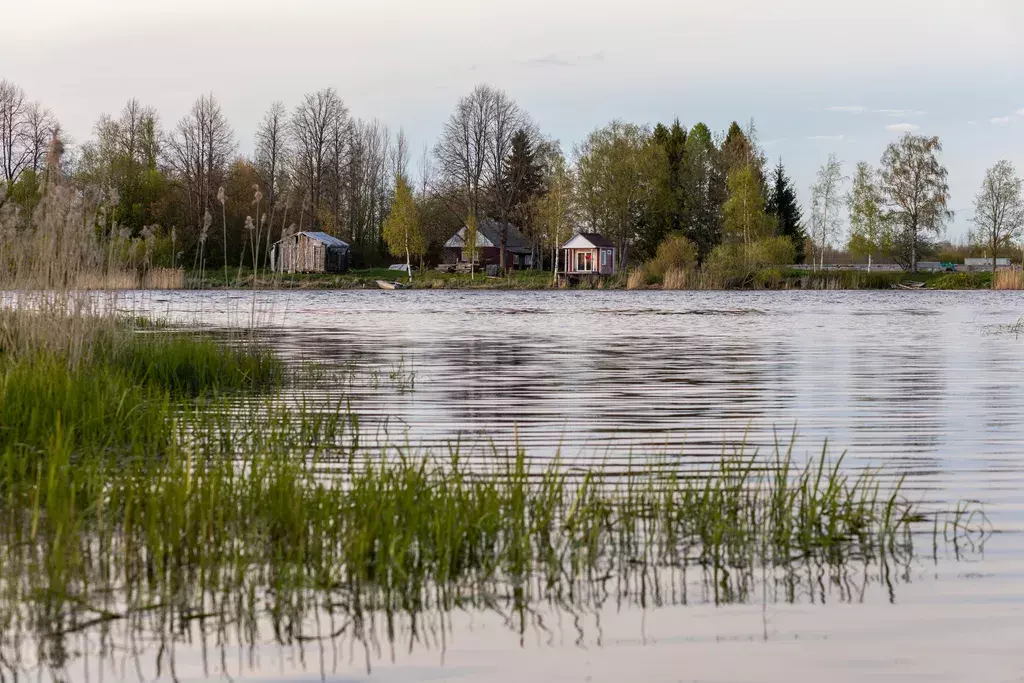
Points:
(816, 76)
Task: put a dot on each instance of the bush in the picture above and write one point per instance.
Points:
(675, 252)
(738, 265)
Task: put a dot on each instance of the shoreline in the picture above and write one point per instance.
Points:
(773, 280)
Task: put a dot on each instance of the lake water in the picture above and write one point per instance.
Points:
(919, 383)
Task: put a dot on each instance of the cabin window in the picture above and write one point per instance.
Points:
(604, 258)
(584, 261)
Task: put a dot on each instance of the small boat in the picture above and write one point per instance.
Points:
(909, 285)
(385, 284)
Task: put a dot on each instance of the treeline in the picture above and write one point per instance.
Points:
(188, 196)
(188, 191)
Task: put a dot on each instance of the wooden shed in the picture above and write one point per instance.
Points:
(310, 252)
(587, 255)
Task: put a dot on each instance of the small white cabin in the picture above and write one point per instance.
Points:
(1001, 262)
(588, 254)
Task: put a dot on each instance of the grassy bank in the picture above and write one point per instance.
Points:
(367, 279)
(763, 279)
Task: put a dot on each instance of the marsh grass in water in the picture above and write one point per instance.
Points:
(258, 513)
(152, 481)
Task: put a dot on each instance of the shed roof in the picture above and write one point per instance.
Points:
(587, 239)
(322, 237)
(329, 240)
(488, 234)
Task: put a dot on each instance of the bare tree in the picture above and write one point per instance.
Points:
(200, 148)
(319, 127)
(916, 192)
(368, 183)
(462, 151)
(39, 127)
(826, 206)
(270, 156)
(271, 138)
(13, 152)
(999, 208)
(506, 119)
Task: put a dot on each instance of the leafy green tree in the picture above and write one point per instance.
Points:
(402, 230)
(745, 219)
(783, 205)
(703, 189)
(915, 190)
(124, 157)
(740, 148)
(868, 234)
(555, 213)
(619, 175)
(999, 208)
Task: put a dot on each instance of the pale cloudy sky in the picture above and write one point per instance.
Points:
(818, 76)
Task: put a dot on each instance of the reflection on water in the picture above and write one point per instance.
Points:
(903, 380)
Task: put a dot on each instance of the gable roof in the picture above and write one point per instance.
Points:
(584, 240)
(488, 234)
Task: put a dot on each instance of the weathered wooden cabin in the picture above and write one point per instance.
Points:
(518, 252)
(310, 252)
(587, 256)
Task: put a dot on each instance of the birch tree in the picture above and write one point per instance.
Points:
(868, 234)
(555, 209)
(826, 206)
(745, 220)
(402, 231)
(999, 208)
(916, 194)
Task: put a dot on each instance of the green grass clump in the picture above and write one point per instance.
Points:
(189, 365)
(962, 281)
(114, 392)
(95, 409)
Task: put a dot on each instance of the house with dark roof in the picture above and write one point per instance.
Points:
(518, 252)
(587, 255)
(310, 252)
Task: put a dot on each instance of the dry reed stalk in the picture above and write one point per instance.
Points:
(636, 279)
(1008, 279)
(677, 278)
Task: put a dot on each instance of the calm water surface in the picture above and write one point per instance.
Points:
(921, 383)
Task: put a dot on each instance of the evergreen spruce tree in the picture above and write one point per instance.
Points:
(704, 190)
(669, 211)
(783, 205)
(523, 175)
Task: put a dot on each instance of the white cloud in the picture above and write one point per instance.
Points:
(899, 113)
(832, 138)
(1020, 112)
(901, 127)
(972, 123)
(848, 109)
(999, 120)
